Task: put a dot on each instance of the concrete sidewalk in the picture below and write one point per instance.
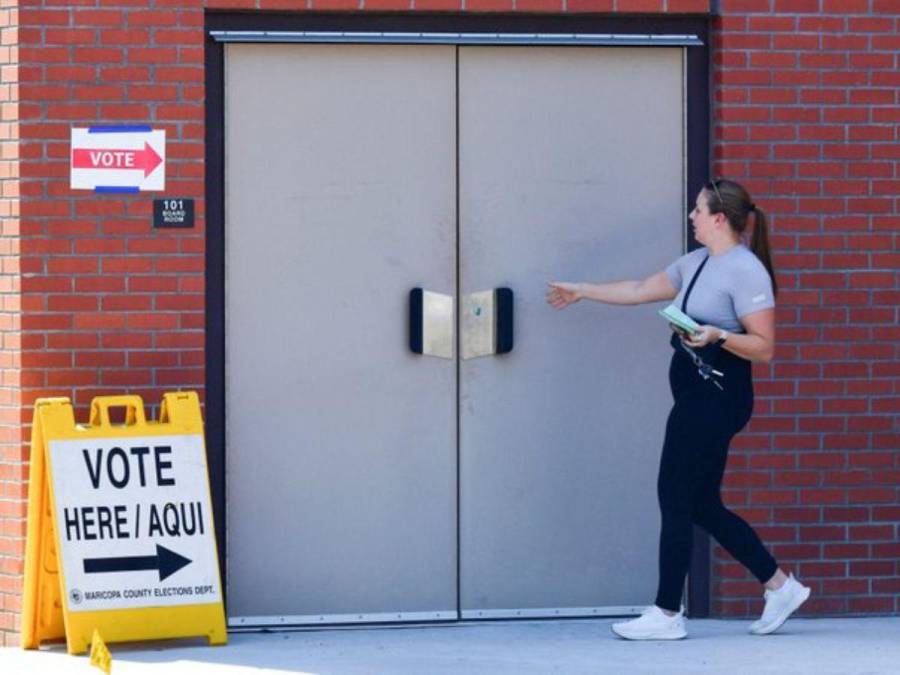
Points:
(803, 646)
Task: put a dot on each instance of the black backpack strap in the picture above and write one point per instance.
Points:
(690, 287)
(711, 351)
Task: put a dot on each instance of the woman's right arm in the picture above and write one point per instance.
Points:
(652, 289)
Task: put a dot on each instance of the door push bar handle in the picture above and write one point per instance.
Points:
(431, 323)
(487, 323)
(503, 302)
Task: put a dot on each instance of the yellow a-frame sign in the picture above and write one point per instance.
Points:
(120, 526)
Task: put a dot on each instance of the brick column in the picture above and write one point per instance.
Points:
(13, 455)
(806, 115)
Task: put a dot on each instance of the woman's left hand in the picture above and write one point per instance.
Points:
(707, 335)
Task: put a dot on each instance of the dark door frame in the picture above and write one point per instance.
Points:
(698, 170)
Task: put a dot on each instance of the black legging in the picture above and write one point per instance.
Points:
(702, 423)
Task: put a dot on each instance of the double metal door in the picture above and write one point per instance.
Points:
(366, 482)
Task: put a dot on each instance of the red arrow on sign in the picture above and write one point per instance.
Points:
(99, 158)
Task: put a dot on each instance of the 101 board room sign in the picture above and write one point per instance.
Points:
(120, 527)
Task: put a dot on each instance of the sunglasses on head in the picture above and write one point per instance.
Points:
(715, 188)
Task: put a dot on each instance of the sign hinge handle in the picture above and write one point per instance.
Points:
(134, 410)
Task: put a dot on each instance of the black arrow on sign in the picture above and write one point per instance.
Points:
(166, 561)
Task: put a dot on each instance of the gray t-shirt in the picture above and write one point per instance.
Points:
(731, 285)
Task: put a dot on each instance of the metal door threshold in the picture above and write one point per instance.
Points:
(551, 612)
(300, 621)
(339, 619)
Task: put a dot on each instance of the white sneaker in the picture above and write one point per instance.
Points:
(652, 624)
(780, 605)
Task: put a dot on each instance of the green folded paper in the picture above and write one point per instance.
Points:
(679, 319)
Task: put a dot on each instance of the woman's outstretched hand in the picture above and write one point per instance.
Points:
(562, 293)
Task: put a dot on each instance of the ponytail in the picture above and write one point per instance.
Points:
(732, 199)
(759, 244)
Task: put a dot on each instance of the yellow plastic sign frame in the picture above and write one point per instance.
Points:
(46, 615)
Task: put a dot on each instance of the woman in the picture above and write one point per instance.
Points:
(729, 290)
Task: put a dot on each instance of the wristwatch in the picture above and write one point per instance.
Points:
(723, 335)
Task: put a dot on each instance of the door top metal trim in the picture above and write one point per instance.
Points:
(555, 39)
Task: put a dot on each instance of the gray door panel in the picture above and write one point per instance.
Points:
(570, 168)
(341, 444)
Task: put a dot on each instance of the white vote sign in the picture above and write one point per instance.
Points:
(135, 523)
(118, 159)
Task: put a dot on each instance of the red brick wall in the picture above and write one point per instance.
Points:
(13, 471)
(109, 305)
(806, 115)
(805, 112)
